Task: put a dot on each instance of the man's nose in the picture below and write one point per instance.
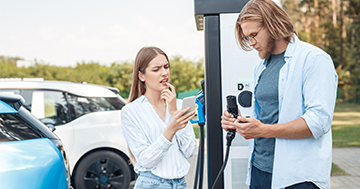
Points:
(252, 43)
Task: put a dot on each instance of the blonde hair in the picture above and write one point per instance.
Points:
(267, 14)
(142, 60)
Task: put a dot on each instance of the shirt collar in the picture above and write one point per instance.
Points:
(142, 98)
(290, 49)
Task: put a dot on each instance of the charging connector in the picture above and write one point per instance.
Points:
(232, 108)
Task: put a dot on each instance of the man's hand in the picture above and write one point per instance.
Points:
(249, 128)
(227, 121)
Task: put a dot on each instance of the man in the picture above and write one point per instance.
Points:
(294, 100)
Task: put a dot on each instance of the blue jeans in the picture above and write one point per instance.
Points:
(260, 179)
(149, 180)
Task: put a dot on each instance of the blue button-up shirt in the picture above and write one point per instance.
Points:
(143, 128)
(307, 89)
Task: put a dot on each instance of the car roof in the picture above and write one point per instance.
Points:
(10, 103)
(80, 89)
(13, 100)
(6, 108)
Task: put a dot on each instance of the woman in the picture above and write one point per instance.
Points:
(159, 136)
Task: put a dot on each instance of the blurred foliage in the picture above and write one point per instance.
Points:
(185, 75)
(334, 26)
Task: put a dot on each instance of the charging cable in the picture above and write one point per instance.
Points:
(232, 108)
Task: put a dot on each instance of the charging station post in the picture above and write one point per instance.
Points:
(228, 71)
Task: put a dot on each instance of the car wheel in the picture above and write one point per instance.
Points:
(102, 169)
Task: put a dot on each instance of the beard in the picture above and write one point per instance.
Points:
(268, 48)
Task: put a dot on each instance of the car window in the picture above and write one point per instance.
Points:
(84, 105)
(10, 91)
(118, 103)
(13, 128)
(50, 107)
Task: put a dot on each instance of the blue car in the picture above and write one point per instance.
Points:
(31, 156)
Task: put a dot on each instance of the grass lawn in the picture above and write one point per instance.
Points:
(345, 130)
(346, 125)
(337, 171)
(197, 130)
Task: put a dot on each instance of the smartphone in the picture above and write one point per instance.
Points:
(189, 101)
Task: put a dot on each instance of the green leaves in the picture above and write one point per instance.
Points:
(185, 74)
(333, 26)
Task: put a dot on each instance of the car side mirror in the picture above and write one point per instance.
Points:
(51, 127)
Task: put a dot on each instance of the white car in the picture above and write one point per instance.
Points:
(86, 118)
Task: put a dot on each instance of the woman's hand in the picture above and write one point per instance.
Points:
(170, 97)
(178, 121)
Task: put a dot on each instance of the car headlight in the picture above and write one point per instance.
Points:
(60, 146)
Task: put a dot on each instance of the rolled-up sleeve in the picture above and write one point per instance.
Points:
(319, 93)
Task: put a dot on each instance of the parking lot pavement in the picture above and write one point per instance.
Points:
(132, 184)
(190, 177)
(347, 159)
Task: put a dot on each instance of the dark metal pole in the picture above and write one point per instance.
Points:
(213, 102)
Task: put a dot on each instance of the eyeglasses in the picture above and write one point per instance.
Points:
(251, 39)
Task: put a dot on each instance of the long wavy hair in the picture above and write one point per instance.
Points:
(142, 60)
(268, 14)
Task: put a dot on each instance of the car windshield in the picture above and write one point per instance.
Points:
(13, 128)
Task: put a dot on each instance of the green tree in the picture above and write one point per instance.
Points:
(185, 74)
(121, 77)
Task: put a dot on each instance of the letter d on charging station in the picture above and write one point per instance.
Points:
(229, 70)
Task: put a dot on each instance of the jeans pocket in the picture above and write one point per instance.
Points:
(145, 182)
(183, 182)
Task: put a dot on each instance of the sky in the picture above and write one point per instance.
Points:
(65, 32)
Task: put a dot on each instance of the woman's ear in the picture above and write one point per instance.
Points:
(141, 76)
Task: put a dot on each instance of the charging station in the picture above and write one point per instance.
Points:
(228, 71)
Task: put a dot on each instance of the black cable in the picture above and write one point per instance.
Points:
(197, 170)
(222, 167)
(232, 109)
(200, 160)
(201, 123)
(202, 154)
